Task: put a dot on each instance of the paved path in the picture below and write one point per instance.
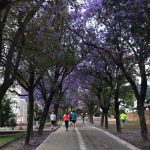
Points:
(84, 137)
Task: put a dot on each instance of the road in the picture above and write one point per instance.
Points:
(84, 137)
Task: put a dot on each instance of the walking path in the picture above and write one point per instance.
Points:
(84, 137)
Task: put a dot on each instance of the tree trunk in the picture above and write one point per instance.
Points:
(4, 4)
(102, 119)
(45, 113)
(106, 119)
(117, 114)
(30, 118)
(91, 113)
(144, 132)
(141, 101)
(0, 114)
(1, 35)
(140, 107)
(91, 119)
(43, 118)
(30, 106)
(140, 97)
(56, 106)
(3, 90)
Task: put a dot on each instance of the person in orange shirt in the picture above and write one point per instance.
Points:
(66, 119)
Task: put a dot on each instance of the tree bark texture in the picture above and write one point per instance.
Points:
(102, 119)
(30, 118)
(91, 105)
(117, 113)
(45, 113)
(56, 106)
(144, 131)
(106, 119)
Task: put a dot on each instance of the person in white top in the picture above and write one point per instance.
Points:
(52, 118)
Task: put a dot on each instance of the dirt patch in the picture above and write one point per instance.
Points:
(133, 137)
(130, 135)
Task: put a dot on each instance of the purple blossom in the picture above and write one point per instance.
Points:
(123, 1)
(122, 13)
(94, 5)
(42, 28)
(88, 14)
(139, 1)
(130, 14)
(49, 22)
(148, 5)
(139, 38)
(22, 8)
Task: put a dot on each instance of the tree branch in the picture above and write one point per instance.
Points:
(12, 91)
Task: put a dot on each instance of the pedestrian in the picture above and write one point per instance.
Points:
(71, 118)
(66, 119)
(122, 119)
(52, 118)
(74, 118)
(82, 116)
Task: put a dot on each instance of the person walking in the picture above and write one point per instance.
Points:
(66, 119)
(82, 116)
(52, 118)
(74, 118)
(122, 119)
(71, 118)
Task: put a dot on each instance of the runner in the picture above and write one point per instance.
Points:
(74, 118)
(82, 116)
(52, 118)
(66, 119)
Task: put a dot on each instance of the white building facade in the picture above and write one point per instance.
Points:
(19, 106)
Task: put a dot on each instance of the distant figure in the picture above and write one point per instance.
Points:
(70, 118)
(66, 119)
(122, 119)
(52, 118)
(12, 123)
(82, 116)
(73, 118)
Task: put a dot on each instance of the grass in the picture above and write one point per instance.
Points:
(60, 122)
(134, 125)
(128, 125)
(9, 138)
(131, 125)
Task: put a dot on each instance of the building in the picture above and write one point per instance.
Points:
(19, 106)
(147, 95)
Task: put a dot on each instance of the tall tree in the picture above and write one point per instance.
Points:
(117, 32)
(130, 44)
(14, 20)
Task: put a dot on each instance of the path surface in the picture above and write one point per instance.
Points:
(84, 137)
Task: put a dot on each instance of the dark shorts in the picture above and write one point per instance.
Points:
(66, 124)
(74, 121)
(52, 122)
(123, 120)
